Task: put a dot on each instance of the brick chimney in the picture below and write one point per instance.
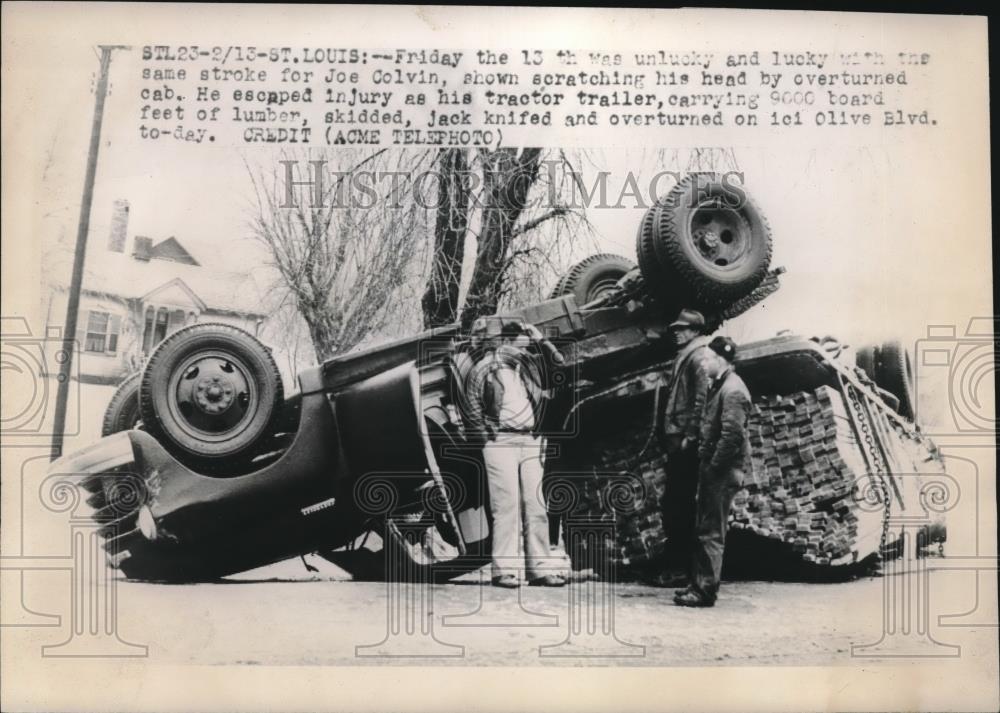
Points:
(119, 226)
(143, 246)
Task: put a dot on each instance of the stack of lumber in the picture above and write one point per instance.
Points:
(801, 491)
(805, 463)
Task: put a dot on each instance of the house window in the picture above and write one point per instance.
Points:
(160, 326)
(102, 332)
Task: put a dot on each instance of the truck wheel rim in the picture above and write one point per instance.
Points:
(721, 237)
(601, 287)
(212, 396)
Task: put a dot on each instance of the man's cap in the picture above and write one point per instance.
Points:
(724, 347)
(512, 328)
(688, 318)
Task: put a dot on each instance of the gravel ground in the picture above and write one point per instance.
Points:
(284, 615)
(317, 620)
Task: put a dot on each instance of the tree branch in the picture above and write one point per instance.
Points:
(535, 222)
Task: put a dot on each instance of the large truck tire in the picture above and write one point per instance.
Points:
(866, 359)
(593, 278)
(122, 413)
(712, 244)
(656, 279)
(888, 366)
(211, 394)
(895, 374)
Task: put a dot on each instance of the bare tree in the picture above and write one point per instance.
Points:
(288, 333)
(441, 296)
(551, 233)
(517, 204)
(353, 247)
(344, 242)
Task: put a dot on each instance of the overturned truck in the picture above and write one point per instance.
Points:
(207, 469)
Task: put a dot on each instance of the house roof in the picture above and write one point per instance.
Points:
(165, 290)
(122, 275)
(170, 249)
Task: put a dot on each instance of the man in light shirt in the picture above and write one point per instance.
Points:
(511, 407)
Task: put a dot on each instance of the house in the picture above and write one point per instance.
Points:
(133, 296)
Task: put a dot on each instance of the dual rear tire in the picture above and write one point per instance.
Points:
(210, 393)
(593, 278)
(705, 245)
(889, 366)
(122, 413)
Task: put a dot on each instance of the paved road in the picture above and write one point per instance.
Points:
(283, 615)
(314, 620)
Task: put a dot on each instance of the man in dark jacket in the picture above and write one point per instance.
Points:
(724, 454)
(511, 397)
(688, 379)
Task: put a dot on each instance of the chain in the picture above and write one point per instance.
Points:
(875, 459)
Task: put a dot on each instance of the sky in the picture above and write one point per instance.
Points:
(863, 232)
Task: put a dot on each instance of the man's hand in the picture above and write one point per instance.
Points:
(533, 332)
(536, 336)
(672, 443)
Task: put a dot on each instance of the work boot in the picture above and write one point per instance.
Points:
(691, 599)
(507, 581)
(548, 580)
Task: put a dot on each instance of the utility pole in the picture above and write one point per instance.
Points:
(73, 304)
